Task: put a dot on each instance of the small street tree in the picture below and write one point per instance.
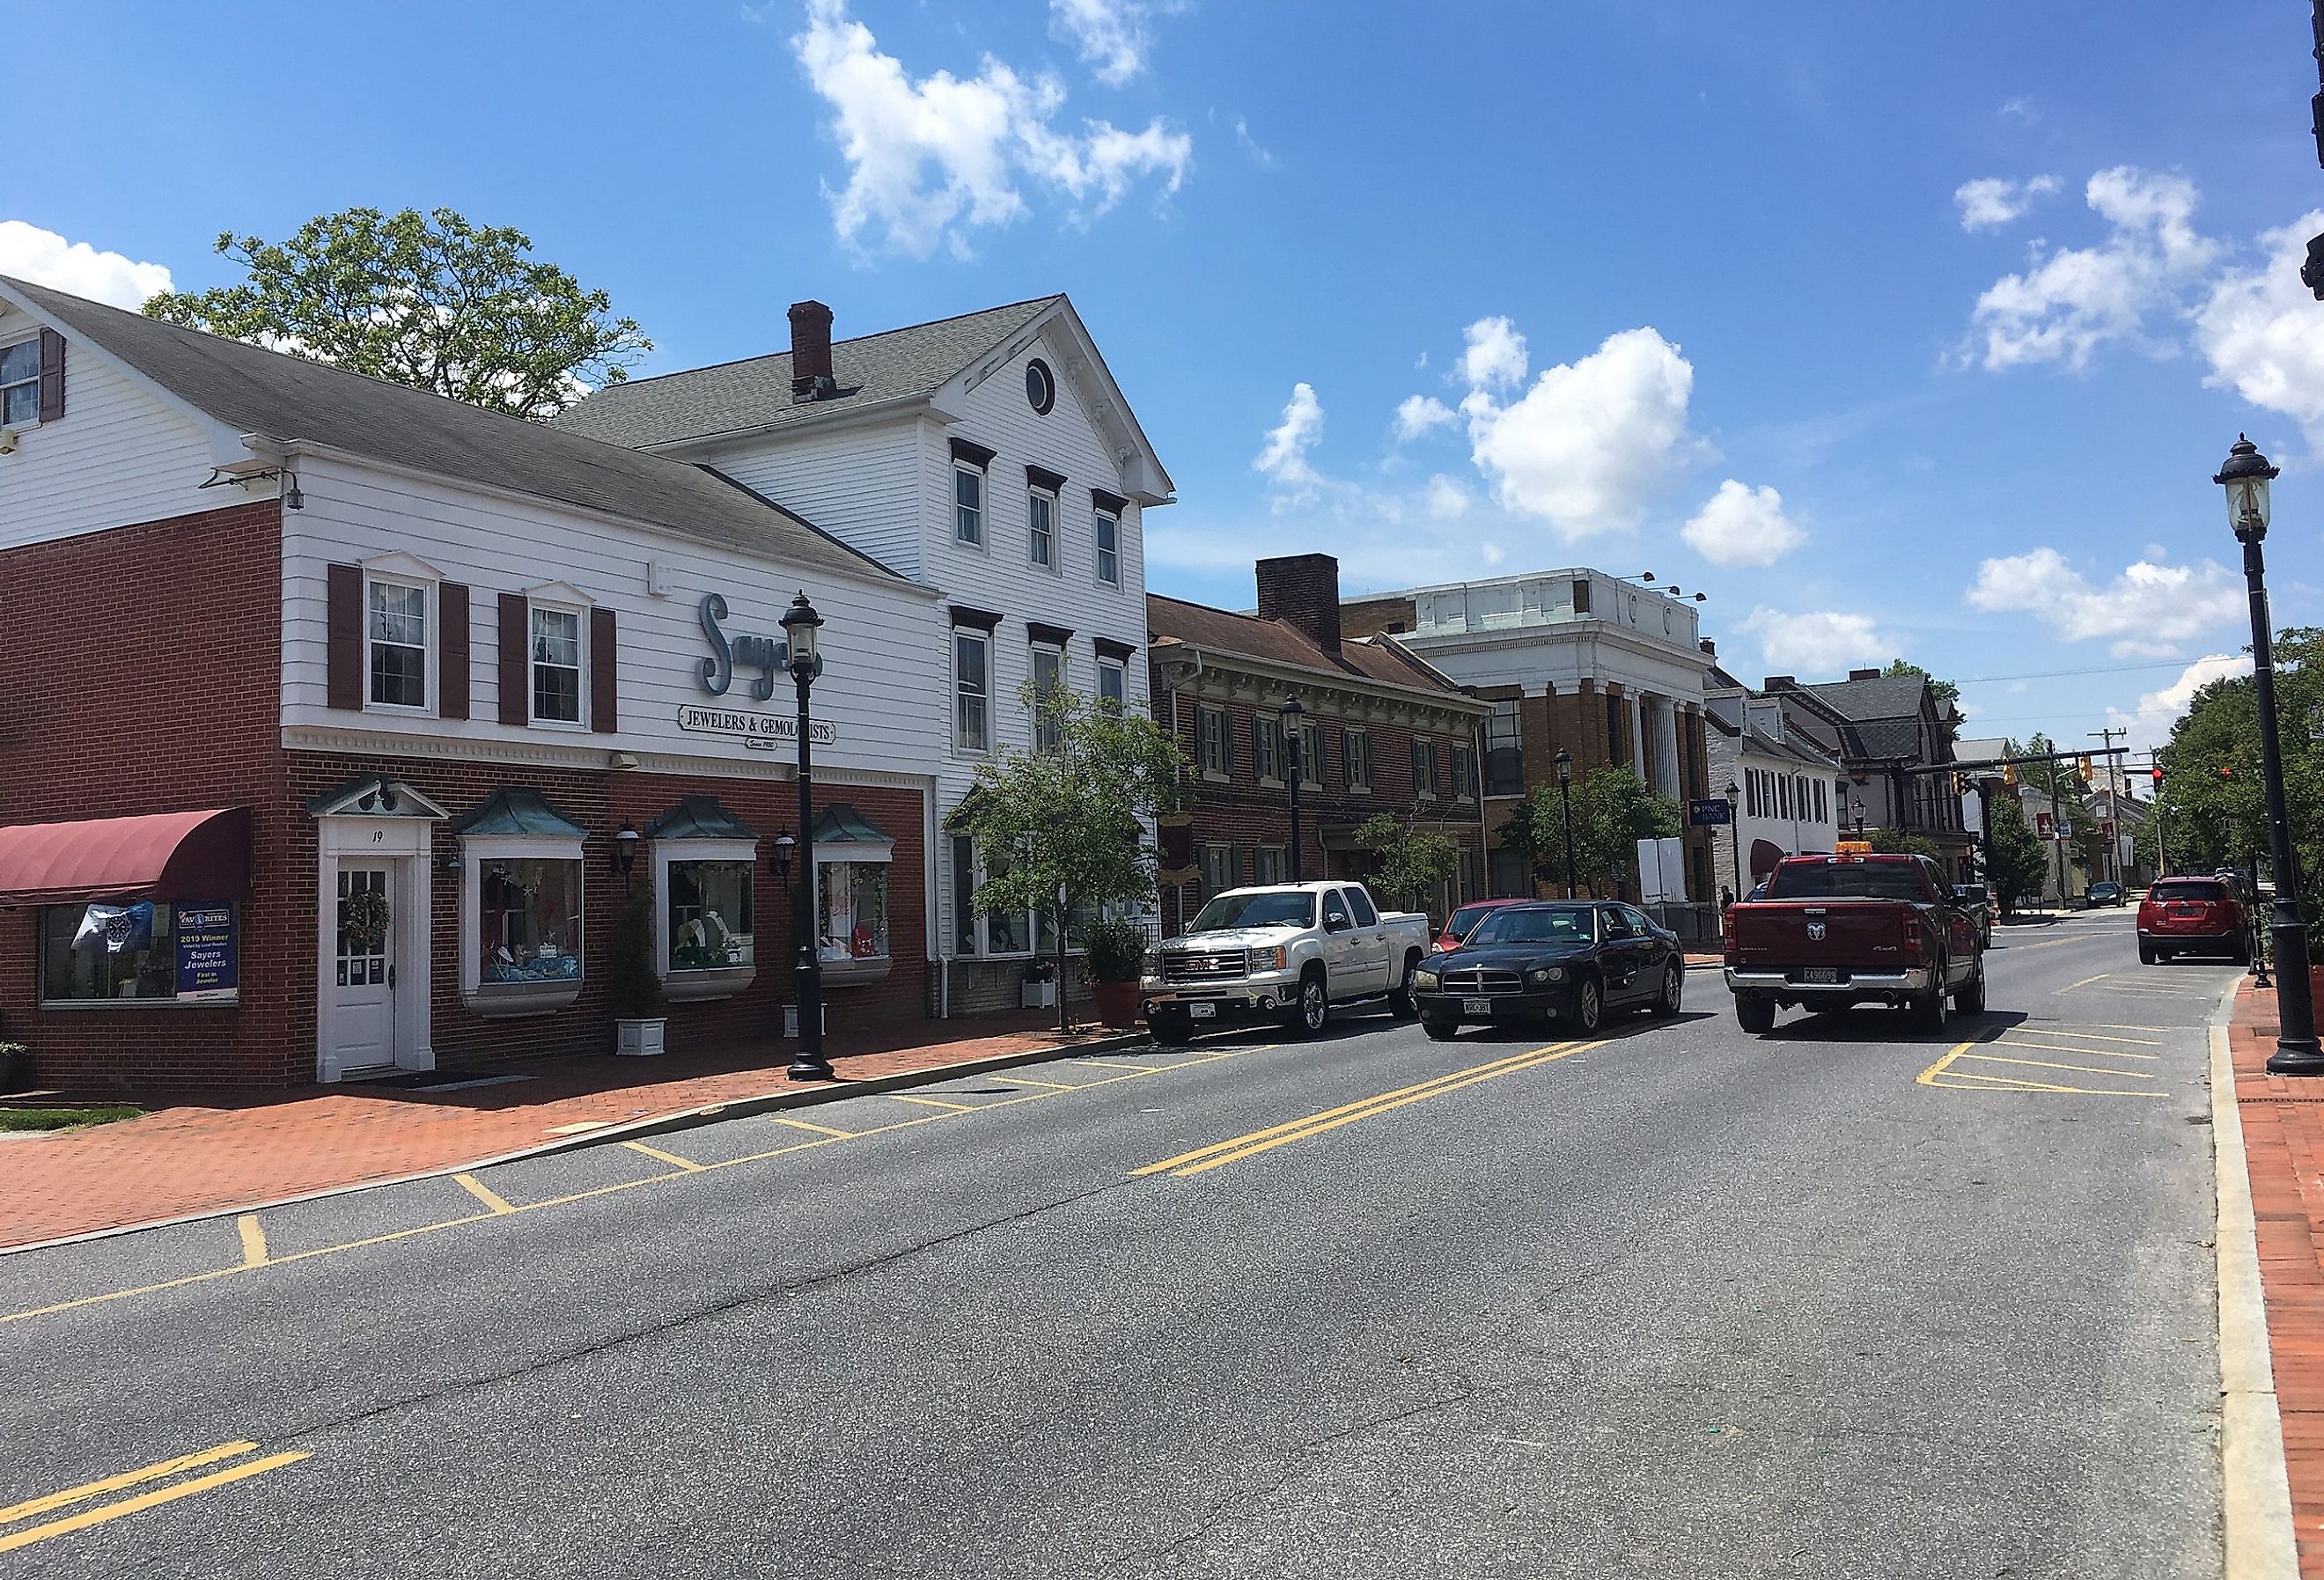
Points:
(1613, 809)
(1058, 826)
(1896, 842)
(1414, 863)
(2019, 859)
(429, 300)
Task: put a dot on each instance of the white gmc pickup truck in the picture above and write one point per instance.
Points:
(1286, 951)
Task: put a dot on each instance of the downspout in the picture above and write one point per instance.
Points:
(929, 843)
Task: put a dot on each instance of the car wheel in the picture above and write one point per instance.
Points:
(1756, 1015)
(1312, 1009)
(1171, 1031)
(2145, 953)
(1400, 1003)
(1674, 991)
(1969, 997)
(1440, 1031)
(1931, 1011)
(1589, 1006)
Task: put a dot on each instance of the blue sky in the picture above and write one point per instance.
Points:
(1897, 334)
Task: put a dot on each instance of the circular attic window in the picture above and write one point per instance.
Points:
(1040, 386)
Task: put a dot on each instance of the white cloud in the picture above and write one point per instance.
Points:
(1995, 200)
(1114, 36)
(1446, 498)
(1284, 459)
(1742, 525)
(2149, 609)
(2263, 333)
(1817, 642)
(2068, 304)
(929, 160)
(45, 258)
(1571, 451)
(2020, 108)
(1417, 414)
(2150, 723)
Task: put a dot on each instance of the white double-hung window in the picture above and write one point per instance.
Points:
(970, 461)
(1042, 489)
(1048, 665)
(1107, 529)
(20, 383)
(395, 639)
(971, 680)
(556, 665)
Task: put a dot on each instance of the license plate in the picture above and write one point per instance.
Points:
(1476, 1006)
(1821, 974)
(1201, 1012)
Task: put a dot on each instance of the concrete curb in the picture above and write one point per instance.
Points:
(660, 1124)
(2255, 1490)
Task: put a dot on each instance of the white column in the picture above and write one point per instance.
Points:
(1666, 748)
(1637, 711)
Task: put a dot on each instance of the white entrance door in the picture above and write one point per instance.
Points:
(362, 975)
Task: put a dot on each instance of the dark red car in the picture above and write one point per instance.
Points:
(1464, 919)
(1833, 931)
(2193, 916)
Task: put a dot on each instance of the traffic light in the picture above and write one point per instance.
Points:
(2156, 773)
(1961, 783)
(2082, 768)
(2009, 774)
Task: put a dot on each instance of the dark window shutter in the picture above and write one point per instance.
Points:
(53, 376)
(343, 628)
(516, 692)
(604, 701)
(452, 649)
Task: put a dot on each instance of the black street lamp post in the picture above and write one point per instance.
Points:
(1564, 760)
(2246, 477)
(1735, 831)
(1293, 739)
(800, 623)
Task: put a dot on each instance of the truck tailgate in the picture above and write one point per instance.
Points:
(1864, 935)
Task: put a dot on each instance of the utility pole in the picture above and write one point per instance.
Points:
(2058, 833)
(2114, 796)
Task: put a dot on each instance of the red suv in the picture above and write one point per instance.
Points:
(2193, 916)
(1464, 921)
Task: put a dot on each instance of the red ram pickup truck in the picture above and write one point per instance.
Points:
(1833, 931)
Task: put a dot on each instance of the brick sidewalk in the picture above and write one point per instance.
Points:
(2283, 1142)
(210, 1151)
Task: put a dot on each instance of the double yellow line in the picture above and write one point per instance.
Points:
(160, 1471)
(1218, 1154)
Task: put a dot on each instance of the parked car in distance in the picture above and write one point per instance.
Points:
(1834, 931)
(1569, 961)
(1292, 952)
(2104, 894)
(2193, 916)
(1978, 900)
(1457, 926)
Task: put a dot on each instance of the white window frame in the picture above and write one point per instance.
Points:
(536, 605)
(1225, 738)
(981, 936)
(1120, 673)
(1034, 653)
(1034, 499)
(476, 851)
(983, 639)
(1099, 522)
(33, 340)
(407, 574)
(718, 982)
(983, 514)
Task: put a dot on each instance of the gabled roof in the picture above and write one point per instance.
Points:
(1883, 696)
(287, 398)
(517, 811)
(1381, 660)
(731, 397)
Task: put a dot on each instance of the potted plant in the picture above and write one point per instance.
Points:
(1112, 950)
(633, 984)
(15, 1066)
(1039, 990)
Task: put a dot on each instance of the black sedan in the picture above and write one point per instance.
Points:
(1564, 961)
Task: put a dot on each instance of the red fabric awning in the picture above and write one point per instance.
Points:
(168, 855)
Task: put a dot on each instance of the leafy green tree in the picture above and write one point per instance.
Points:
(427, 301)
(1413, 863)
(2020, 860)
(1613, 809)
(1896, 842)
(1059, 825)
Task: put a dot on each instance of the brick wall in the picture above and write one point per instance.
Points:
(142, 675)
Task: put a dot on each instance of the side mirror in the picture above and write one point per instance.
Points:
(1337, 924)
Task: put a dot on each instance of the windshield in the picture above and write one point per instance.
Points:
(1845, 880)
(1265, 909)
(1564, 924)
(1973, 890)
(1459, 923)
(2200, 889)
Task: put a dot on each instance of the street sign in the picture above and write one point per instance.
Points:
(2041, 826)
(1708, 812)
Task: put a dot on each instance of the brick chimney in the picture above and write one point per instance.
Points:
(1709, 646)
(1863, 674)
(1778, 682)
(811, 377)
(1303, 591)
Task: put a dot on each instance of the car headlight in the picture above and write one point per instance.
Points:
(1424, 979)
(1151, 963)
(1275, 959)
(1546, 973)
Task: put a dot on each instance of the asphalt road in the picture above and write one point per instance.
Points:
(1839, 1301)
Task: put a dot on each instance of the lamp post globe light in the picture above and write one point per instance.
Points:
(1735, 831)
(2246, 477)
(800, 623)
(1564, 760)
(1293, 710)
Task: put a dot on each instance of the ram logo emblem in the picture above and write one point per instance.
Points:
(1815, 932)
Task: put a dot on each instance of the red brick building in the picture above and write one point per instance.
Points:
(1383, 732)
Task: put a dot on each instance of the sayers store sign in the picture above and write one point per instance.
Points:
(730, 654)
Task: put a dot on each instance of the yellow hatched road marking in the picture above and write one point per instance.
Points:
(2089, 1069)
(932, 1103)
(483, 1193)
(154, 1499)
(672, 1159)
(2069, 1047)
(2035, 1030)
(254, 1240)
(1954, 1078)
(127, 1478)
(1135, 1069)
(821, 1130)
(1050, 1086)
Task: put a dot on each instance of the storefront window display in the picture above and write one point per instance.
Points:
(521, 905)
(709, 915)
(142, 952)
(530, 913)
(854, 904)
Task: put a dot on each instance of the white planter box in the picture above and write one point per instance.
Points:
(1038, 995)
(639, 1038)
(790, 1020)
